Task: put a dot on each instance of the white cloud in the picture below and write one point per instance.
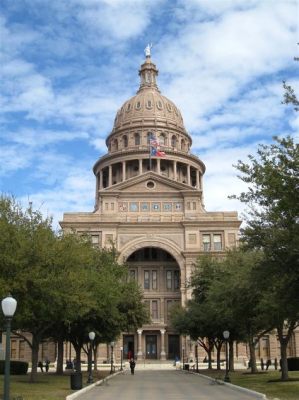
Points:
(66, 74)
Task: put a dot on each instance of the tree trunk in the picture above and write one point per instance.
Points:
(78, 358)
(252, 359)
(59, 367)
(34, 357)
(284, 361)
(209, 359)
(231, 356)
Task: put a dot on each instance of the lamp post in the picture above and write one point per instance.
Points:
(121, 358)
(91, 335)
(111, 361)
(9, 305)
(183, 350)
(226, 337)
(196, 356)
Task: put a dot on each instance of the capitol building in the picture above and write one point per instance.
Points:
(150, 205)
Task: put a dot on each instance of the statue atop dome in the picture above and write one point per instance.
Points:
(147, 50)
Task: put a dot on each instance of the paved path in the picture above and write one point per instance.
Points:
(162, 385)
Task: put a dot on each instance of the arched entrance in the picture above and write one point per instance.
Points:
(158, 274)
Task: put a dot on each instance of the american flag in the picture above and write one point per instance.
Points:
(155, 150)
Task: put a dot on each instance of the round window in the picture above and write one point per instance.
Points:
(150, 184)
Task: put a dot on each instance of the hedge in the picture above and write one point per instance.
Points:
(293, 363)
(16, 367)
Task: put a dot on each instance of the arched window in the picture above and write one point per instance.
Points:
(137, 139)
(115, 144)
(162, 139)
(125, 141)
(173, 141)
(182, 144)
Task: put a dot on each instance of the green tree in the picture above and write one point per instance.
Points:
(272, 226)
(239, 296)
(200, 318)
(26, 259)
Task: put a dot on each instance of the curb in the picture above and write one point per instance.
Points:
(87, 388)
(257, 395)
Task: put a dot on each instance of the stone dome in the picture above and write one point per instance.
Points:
(148, 109)
(148, 105)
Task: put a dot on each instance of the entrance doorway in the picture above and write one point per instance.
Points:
(128, 344)
(173, 347)
(151, 346)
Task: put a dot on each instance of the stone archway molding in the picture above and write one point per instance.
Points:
(161, 243)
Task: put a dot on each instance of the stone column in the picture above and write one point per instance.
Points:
(188, 175)
(110, 176)
(101, 179)
(140, 166)
(202, 197)
(158, 166)
(175, 170)
(163, 354)
(124, 171)
(139, 345)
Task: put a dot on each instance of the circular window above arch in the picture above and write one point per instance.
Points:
(150, 185)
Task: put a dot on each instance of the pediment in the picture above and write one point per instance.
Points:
(140, 184)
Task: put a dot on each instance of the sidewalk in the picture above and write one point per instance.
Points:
(164, 385)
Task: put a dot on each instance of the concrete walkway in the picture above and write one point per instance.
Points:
(162, 385)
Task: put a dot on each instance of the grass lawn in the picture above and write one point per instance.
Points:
(48, 386)
(260, 383)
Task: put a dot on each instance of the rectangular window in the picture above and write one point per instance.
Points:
(154, 280)
(194, 205)
(154, 309)
(146, 280)
(176, 279)
(217, 242)
(169, 280)
(22, 349)
(132, 274)
(95, 239)
(112, 206)
(13, 351)
(206, 241)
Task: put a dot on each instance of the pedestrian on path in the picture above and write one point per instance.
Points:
(40, 365)
(132, 365)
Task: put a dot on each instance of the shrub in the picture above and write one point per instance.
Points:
(16, 367)
(293, 363)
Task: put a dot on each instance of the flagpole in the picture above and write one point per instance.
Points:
(150, 151)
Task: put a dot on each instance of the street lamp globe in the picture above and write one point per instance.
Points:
(226, 334)
(91, 335)
(112, 344)
(9, 305)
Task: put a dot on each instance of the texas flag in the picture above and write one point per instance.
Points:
(155, 147)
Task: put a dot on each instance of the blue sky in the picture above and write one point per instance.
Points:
(68, 65)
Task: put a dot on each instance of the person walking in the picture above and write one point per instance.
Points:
(47, 365)
(40, 365)
(132, 365)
